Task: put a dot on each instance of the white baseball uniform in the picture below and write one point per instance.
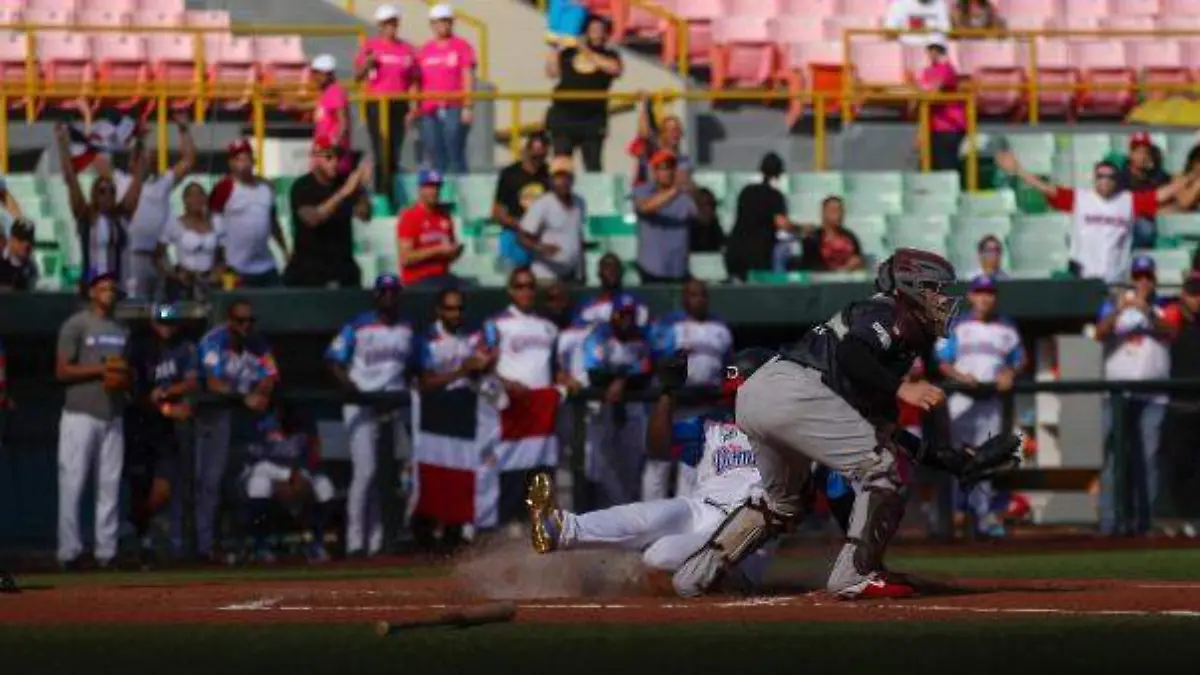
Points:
(378, 356)
(670, 530)
(1102, 229)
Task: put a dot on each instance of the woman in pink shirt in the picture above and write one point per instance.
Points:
(447, 64)
(331, 119)
(947, 121)
(387, 65)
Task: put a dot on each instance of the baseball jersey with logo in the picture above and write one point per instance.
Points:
(980, 348)
(157, 365)
(526, 345)
(441, 351)
(603, 350)
(241, 369)
(245, 213)
(708, 344)
(726, 468)
(1134, 351)
(378, 356)
(599, 310)
(1102, 229)
(424, 228)
(86, 339)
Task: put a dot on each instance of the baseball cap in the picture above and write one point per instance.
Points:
(441, 11)
(239, 146)
(1143, 264)
(93, 277)
(386, 13)
(983, 283)
(662, 157)
(325, 63)
(387, 282)
(1140, 139)
(163, 312)
(324, 144)
(1191, 285)
(429, 177)
(623, 302)
(21, 229)
(562, 164)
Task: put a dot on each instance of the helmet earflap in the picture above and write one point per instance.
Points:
(885, 277)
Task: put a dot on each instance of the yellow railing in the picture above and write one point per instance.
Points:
(478, 25)
(853, 89)
(261, 99)
(678, 24)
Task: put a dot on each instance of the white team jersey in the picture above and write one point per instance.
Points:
(707, 343)
(444, 352)
(727, 471)
(570, 352)
(526, 344)
(979, 349)
(1102, 229)
(375, 354)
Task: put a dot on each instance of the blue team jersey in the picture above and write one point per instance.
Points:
(280, 445)
(726, 466)
(603, 351)
(708, 343)
(157, 365)
(440, 351)
(378, 356)
(243, 370)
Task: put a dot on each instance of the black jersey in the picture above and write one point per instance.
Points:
(875, 323)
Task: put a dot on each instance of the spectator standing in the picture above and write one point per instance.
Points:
(102, 222)
(1135, 336)
(18, 271)
(520, 184)
(665, 213)
(1188, 198)
(10, 209)
(931, 16)
(707, 236)
(708, 343)
(325, 203)
(1181, 429)
(831, 247)
(447, 64)
(982, 348)
(331, 117)
(598, 309)
(91, 434)
(388, 66)
(199, 247)
(761, 221)
(1143, 171)
(1102, 227)
(425, 237)
(552, 228)
(242, 205)
(152, 215)
(373, 353)
(976, 15)
(590, 67)
(947, 121)
(667, 135)
(237, 365)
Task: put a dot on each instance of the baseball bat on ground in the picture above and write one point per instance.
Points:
(494, 612)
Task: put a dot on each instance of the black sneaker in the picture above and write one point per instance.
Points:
(8, 585)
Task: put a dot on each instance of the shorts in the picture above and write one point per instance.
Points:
(152, 448)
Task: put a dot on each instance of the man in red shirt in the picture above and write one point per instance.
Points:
(425, 237)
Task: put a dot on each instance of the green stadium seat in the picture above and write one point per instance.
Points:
(607, 199)
(1120, 141)
(624, 247)
(873, 244)
(864, 225)
(476, 193)
(1041, 252)
(716, 182)
(976, 227)
(875, 182)
(369, 264)
(991, 203)
(707, 266)
(919, 223)
(874, 204)
(1180, 225)
(1176, 151)
(379, 237)
(805, 207)
(50, 269)
(1085, 149)
(822, 183)
(931, 204)
(1045, 223)
(934, 183)
(929, 241)
(1171, 262)
(1035, 151)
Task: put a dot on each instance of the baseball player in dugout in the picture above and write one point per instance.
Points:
(166, 372)
(831, 398)
(91, 363)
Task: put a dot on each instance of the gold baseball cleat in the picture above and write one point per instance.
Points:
(545, 520)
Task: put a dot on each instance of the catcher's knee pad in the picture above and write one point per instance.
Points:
(743, 532)
(884, 509)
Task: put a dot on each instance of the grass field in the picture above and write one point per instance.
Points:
(1047, 620)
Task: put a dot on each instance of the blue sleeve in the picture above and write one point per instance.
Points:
(1106, 310)
(662, 338)
(947, 349)
(1017, 354)
(595, 353)
(341, 349)
(491, 334)
(210, 358)
(423, 350)
(687, 437)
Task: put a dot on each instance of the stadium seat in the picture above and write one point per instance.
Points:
(837, 25)
(1072, 22)
(991, 203)
(977, 227)
(1085, 149)
(878, 182)
(1042, 224)
(1179, 225)
(996, 73)
(929, 241)
(871, 8)
(738, 180)
(872, 243)
(1180, 8)
(1035, 150)
(935, 183)
(1129, 23)
(59, 5)
(49, 16)
(805, 207)
(928, 204)
(1043, 253)
(744, 52)
(232, 68)
(874, 203)
(476, 192)
(810, 9)
(101, 17)
(173, 60)
(919, 223)
(1151, 8)
(1097, 9)
(606, 200)
(155, 18)
(1103, 66)
(716, 182)
(121, 61)
(767, 8)
(118, 6)
(66, 59)
(207, 18)
(788, 30)
(1010, 9)
(625, 248)
(1177, 150)
(1161, 63)
(1057, 76)
(10, 16)
(700, 15)
(282, 62)
(12, 61)
(867, 225)
(1171, 263)
(821, 183)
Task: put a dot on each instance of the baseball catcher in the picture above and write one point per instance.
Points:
(831, 398)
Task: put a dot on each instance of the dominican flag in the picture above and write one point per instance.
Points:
(112, 132)
(463, 441)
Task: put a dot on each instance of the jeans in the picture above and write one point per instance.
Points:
(385, 171)
(444, 138)
(1143, 426)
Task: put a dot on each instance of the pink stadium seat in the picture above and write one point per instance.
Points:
(1161, 62)
(101, 17)
(878, 63)
(12, 61)
(282, 63)
(795, 29)
(206, 18)
(1026, 22)
(1104, 64)
(1072, 22)
(836, 26)
(1191, 55)
(699, 15)
(1180, 23)
(1137, 7)
(1011, 9)
(1094, 8)
(744, 52)
(811, 9)
(49, 17)
(812, 67)
(232, 68)
(116, 6)
(158, 19)
(997, 72)
(173, 60)
(10, 15)
(13, 4)
(162, 5)
(61, 5)
(1180, 8)
(1131, 22)
(872, 8)
(121, 61)
(644, 24)
(738, 8)
(66, 59)
(1057, 75)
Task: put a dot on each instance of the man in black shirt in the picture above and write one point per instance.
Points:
(18, 271)
(590, 67)
(324, 204)
(520, 183)
(762, 210)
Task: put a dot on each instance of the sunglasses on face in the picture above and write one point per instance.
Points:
(992, 250)
(523, 286)
(452, 308)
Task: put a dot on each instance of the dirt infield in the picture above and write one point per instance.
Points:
(402, 599)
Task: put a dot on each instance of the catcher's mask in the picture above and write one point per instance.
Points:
(918, 279)
(743, 365)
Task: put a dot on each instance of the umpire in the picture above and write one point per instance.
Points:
(166, 372)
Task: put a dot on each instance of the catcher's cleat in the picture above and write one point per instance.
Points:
(8, 585)
(545, 520)
(877, 586)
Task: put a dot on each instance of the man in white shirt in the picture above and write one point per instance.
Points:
(918, 15)
(1135, 338)
(243, 206)
(552, 227)
(1102, 217)
(151, 216)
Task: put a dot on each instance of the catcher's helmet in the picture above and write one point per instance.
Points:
(743, 365)
(918, 279)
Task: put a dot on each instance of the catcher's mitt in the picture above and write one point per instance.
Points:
(970, 465)
(673, 371)
(117, 375)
